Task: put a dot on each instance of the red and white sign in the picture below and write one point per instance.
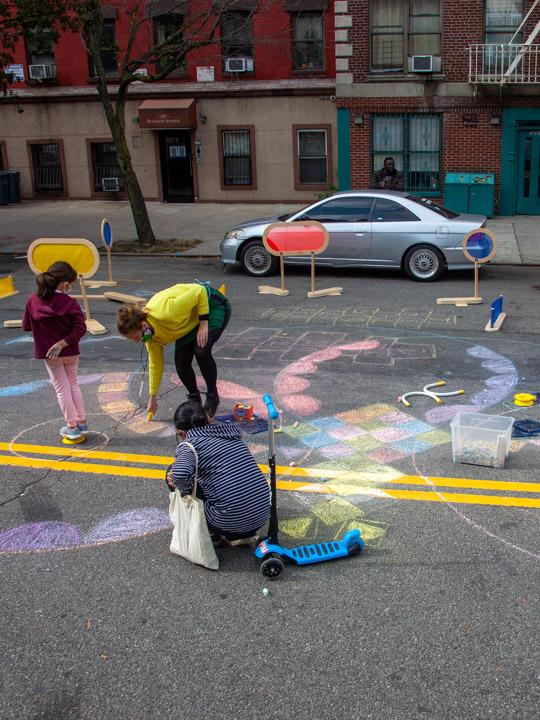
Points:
(295, 238)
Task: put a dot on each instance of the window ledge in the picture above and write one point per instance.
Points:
(109, 78)
(403, 77)
(308, 71)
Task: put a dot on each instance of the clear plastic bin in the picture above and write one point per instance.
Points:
(481, 439)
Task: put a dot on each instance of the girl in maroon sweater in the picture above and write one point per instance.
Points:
(56, 321)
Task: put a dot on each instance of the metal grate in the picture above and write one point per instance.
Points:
(414, 141)
(47, 168)
(236, 157)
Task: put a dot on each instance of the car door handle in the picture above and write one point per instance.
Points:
(359, 234)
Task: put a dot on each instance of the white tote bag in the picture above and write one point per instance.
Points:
(190, 538)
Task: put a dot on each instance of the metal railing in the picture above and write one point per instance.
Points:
(500, 64)
(48, 179)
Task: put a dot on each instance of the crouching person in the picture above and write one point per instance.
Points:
(235, 493)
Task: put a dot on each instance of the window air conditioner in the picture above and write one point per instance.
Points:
(110, 184)
(42, 72)
(141, 71)
(239, 64)
(422, 63)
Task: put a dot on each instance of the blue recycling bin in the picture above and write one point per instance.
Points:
(470, 193)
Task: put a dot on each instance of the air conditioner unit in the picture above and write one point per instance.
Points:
(422, 63)
(42, 72)
(141, 71)
(239, 64)
(110, 184)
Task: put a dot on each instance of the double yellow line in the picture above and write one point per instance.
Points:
(337, 482)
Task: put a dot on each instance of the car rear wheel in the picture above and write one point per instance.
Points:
(424, 263)
(256, 260)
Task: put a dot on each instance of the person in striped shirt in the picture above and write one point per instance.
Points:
(236, 494)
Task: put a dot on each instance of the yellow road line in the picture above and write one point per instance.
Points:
(80, 452)
(346, 486)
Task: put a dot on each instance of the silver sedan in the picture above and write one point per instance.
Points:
(367, 228)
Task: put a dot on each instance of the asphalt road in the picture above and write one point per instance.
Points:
(438, 619)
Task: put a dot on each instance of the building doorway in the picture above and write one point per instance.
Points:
(528, 172)
(176, 166)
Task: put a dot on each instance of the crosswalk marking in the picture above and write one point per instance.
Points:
(338, 482)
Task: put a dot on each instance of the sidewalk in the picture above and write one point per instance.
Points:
(518, 236)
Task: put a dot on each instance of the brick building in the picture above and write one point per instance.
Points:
(442, 86)
(252, 118)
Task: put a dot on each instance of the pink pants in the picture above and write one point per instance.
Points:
(63, 374)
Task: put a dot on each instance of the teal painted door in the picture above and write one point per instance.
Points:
(528, 175)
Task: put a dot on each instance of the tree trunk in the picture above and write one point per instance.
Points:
(145, 233)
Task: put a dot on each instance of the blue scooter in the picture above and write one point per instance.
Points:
(270, 551)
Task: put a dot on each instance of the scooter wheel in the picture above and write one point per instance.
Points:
(272, 567)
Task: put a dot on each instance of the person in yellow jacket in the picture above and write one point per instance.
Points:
(193, 316)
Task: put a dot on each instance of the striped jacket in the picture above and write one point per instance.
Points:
(236, 493)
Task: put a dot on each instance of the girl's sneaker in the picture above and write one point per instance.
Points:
(71, 433)
(83, 428)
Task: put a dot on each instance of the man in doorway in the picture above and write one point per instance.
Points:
(388, 178)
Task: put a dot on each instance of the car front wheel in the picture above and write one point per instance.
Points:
(256, 260)
(424, 263)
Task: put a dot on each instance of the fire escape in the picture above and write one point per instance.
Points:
(507, 64)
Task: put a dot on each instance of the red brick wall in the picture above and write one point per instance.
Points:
(272, 50)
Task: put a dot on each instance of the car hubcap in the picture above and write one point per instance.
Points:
(257, 260)
(424, 263)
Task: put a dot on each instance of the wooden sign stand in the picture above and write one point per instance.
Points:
(320, 293)
(269, 289)
(296, 239)
(106, 239)
(94, 326)
(476, 299)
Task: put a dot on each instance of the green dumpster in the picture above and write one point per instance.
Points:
(470, 193)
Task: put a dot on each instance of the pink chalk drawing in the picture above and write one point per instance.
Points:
(305, 405)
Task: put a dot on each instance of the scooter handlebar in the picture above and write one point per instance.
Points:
(267, 399)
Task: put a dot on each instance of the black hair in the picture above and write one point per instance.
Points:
(58, 272)
(388, 158)
(190, 415)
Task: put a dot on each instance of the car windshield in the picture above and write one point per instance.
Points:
(439, 209)
(283, 218)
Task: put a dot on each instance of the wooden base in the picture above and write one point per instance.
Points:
(498, 322)
(269, 290)
(13, 323)
(100, 283)
(323, 293)
(124, 298)
(95, 328)
(460, 302)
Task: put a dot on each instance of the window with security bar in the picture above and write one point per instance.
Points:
(414, 143)
(307, 41)
(40, 51)
(47, 169)
(236, 148)
(166, 26)
(402, 28)
(503, 17)
(312, 148)
(106, 175)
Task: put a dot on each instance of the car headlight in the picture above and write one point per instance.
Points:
(232, 234)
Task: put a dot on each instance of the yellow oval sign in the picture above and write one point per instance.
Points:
(81, 254)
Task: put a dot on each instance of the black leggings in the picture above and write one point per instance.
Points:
(183, 359)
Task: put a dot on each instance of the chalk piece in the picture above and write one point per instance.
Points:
(266, 592)
(296, 424)
(13, 323)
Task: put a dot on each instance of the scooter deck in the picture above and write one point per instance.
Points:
(309, 554)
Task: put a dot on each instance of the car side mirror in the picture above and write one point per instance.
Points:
(302, 218)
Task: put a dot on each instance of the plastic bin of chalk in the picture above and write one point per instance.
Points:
(481, 439)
